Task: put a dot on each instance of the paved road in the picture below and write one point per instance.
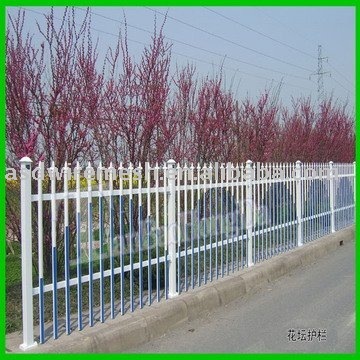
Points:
(319, 297)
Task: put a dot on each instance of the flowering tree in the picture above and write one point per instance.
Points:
(134, 107)
(52, 95)
(323, 135)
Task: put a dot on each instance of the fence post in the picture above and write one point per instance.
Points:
(249, 213)
(354, 177)
(331, 194)
(298, 204)
(26, 255)
(171, 177)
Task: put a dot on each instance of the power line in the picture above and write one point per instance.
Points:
(349, 91)
(196, 47)
(343, 76)
(285, 26)
(230, 41)
(260, 33)
(187, 56)
(243, 72)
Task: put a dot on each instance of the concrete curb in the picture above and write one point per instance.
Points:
(130, 330)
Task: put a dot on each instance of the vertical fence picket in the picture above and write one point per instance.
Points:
(122, 240)
(78, 248)
(67, 249)
(232, 218)
(298, 203)
(131, 236)
(198, 224)
(294, 184)
(249, 213)
(210, 222)
(222, 223)
(192, 226)
(185, 226)
(157, 220)
(331, 195)
(165, 217)
(262, 196)
(54, 251)
(266, 201)
(257, 223)
(111, 240)
(227, 217)
(148, 222)
(178, 227)
(216, 226)
(90, 244)
(101, 243)
(290, 207)
(140, 230)
(271, 213)
(278, 213)
(41, 253)
(204, 169)
(286, 208)
(243, 219)
(237, 215)
(171, 227)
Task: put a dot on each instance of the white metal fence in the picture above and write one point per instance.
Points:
(115, 240)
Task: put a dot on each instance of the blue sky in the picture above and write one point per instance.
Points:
(245, 39)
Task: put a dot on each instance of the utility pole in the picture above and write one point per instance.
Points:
(320, 75)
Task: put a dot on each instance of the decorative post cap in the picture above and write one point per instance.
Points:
(25, 160)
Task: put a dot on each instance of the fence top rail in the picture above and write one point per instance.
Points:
(141, 180)
(170, 170)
